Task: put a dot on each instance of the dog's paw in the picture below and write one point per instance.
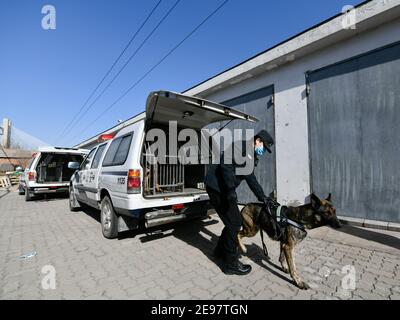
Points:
(285, 270)
(303, 286)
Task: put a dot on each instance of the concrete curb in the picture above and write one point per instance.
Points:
(364, 223)
(372, 224)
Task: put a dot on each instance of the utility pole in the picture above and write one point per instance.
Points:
(6, 133)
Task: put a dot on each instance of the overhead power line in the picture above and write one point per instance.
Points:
(110, 69)
(126, 63)
(154, 67)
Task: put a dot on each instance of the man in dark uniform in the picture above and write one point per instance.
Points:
(221, 183)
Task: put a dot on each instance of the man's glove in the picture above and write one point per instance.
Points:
(232, 196)
(271, 203)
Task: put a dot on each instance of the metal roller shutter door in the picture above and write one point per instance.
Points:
(354, 131)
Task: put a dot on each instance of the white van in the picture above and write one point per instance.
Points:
(48, 172)
(117, 179)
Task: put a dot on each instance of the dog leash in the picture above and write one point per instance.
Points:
(265, 250)
(263, 243)
(279, 220)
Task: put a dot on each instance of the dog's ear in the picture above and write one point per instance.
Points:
(315, 201)
(329, 197)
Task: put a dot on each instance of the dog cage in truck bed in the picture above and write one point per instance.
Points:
(167, 176)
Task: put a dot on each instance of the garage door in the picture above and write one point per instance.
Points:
(354, 127)
(259, 104)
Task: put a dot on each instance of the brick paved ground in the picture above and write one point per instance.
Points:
(177, 263)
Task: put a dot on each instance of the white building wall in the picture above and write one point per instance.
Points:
(291, 125)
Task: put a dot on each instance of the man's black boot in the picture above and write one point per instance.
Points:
(237, 268)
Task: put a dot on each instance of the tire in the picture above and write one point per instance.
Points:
(28, 197)
(21, 191)
(109, 220)
(73, 203)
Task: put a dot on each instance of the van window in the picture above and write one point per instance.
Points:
(30, 163)
(108, 159)
(86, 162)
(97, 157)
(118, 151)
(122, 151)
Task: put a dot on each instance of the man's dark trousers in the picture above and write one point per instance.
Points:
(228, 211)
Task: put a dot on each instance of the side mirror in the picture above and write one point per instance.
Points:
(73, 165)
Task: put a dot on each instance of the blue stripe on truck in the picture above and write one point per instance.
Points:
(115, 173)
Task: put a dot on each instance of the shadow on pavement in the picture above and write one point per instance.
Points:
(370, 235)
(3, 193)
(91, 212)
(190, 232)
(193, 235)
(255, 253)
(49, 197)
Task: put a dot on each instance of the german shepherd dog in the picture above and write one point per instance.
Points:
(316, 214)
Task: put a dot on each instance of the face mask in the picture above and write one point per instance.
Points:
(260, 151)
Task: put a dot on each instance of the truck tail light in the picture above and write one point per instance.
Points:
(178, 207)
(134, 181)
(31, 175)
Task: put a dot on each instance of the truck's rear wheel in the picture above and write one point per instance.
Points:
(21, 190)
(109, 220)
(73, 203)
(28, 196)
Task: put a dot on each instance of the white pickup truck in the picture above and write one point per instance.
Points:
(117, 179)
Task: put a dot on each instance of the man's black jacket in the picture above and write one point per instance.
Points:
(223, 178)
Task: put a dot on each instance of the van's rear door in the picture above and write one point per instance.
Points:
(189, 112)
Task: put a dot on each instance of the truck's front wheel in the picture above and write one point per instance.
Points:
(73, 203)
(109, 220)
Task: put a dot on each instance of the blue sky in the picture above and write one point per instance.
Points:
(47, 75)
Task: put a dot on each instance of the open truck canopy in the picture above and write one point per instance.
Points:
(190, 112)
